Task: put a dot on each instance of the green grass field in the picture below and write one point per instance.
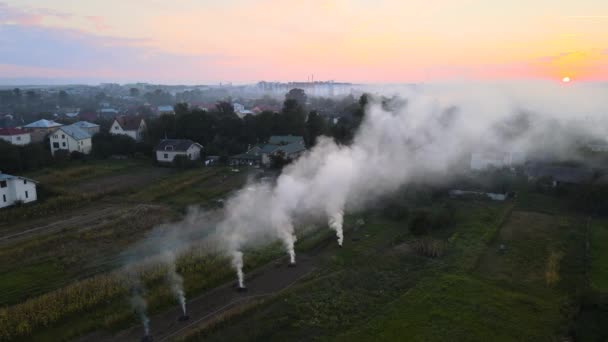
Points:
(599, 256)
(378, 289)
(511, 271)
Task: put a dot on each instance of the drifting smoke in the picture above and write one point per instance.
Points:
(237, 263)
(335, 222)
(176, 281)
(139, 304)
(425, 134)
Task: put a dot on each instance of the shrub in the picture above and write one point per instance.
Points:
(76, 155)
(429, 247)
(421, 223)
(183, 162)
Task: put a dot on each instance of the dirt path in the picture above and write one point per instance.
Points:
(263, 282)
(86, 218)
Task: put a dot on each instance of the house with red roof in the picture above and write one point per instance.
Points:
(15, 136)
(131, 126)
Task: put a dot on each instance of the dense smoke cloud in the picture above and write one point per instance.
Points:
(423, 134)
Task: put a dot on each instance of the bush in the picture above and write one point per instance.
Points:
(61, 155)
(76, 155)
(396, 211)
(421, 223)
(183, 162)
(106, 145)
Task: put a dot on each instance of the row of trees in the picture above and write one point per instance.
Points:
(222, 132)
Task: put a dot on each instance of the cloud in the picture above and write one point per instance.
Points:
(54, 50)
(28, 16)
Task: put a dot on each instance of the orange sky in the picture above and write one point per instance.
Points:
(358, 40)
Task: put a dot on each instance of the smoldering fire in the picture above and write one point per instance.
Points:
(419, 135)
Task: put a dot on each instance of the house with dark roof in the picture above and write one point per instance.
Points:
(559, 174)
(15, 189)
(168, 149)
(131, 126)
(71, 138)
(290, 146)
(15, 136)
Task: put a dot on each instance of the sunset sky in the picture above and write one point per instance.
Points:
(376, 41)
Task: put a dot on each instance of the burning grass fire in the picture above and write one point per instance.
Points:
(397, 144)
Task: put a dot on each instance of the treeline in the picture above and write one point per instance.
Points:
(222, 132)
(22, 158)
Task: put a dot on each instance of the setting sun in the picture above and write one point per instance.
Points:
(566, 79)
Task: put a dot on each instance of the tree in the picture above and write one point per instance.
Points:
(421, 223)
(315, 126)
(106, 145)
(297, 94)
(100, 96)
(292, 119)
(63, 98)
(181, 109)
(134, 92)
(225, 107)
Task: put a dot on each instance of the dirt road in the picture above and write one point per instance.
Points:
(85, 218)
(263, 282)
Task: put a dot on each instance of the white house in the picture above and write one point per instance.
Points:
(167, 149)
(14, 188)
(496, 159)
(15, 136)
(131, 126)
(71, 138)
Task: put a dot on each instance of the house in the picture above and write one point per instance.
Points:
(559, 175)
(15, 189)
(41, 128)
(15, 136)
(71, 138)
(495, 159)
(87, 126)
(289, 145)
(168, 149)
(131, 126)
(108, 113)
(162, 110)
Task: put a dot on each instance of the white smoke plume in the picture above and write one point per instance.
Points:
(336, 221)
(237, 263)
(138, 302)
(175, 281)
(425, 134)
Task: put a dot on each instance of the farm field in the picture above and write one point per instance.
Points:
(505, 271)
(508, 274)
(45, 254)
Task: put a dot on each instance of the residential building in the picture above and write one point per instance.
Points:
(41, 128)
(71, 138)
(168, 149)
(131, 126)
(495, 159)
(87, 126)
(559, 174)
(15, 189)
(15, 136)
(162, 110)
(289, 145)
